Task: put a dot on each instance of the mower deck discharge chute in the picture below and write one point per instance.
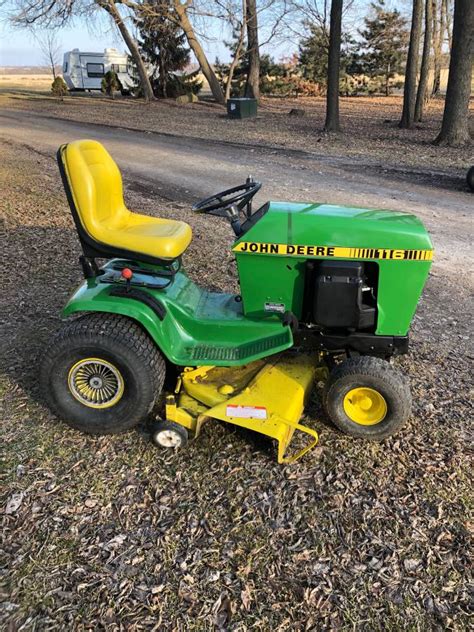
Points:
(327, 293)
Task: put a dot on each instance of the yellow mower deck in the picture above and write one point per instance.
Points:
(265, 396)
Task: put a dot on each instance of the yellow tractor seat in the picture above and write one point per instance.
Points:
(106, 227)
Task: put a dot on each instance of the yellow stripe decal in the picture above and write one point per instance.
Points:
(257, 248)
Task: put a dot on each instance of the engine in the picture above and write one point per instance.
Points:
(341, 295)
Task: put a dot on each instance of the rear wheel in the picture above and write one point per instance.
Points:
(102, 374)
(368, 398)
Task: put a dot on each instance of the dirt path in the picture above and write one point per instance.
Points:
(184, 169)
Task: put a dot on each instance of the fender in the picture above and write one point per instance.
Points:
(191, 327)
(138, 304)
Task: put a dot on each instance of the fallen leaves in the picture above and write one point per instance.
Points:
(14, 503)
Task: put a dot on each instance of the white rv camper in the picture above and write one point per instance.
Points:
(84, 71)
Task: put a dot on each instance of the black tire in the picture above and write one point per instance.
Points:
(177, 435)
(470, 178)
(371, 374)
(117, 342)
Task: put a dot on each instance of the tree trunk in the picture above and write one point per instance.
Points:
(425, 64)
(455, 126)
(162, 77)
(409, 92)
(238, 52)
(334, 59)
(109, 6)
(208, 72)
(252, 89)
(387, 81)
(437, 40)
(447, 24)
(442, 27)
(53, 66)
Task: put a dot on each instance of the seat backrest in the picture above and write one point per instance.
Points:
(96, 185)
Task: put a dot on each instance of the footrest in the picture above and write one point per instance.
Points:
(247, 351)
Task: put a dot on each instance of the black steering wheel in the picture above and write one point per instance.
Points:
(234, 199)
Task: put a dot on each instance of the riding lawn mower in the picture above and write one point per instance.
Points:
(327, 294)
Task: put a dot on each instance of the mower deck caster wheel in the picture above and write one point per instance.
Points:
(167, 434)
(368, 398)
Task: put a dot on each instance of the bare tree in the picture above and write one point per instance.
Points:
(111, 8)
(239, 27)
(265, 18)
(179, 12)
(442, 33)
(301, 13)
(253, 50)
(421, 95)
(437, 28)
(181, 9)
(455, 126)
(334, 60)
(447, 21)
(262, 23)
(57, 13)
(50, 49)
(409, 91)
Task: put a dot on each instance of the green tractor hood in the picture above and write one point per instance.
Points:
(273, 251)
(330, 226)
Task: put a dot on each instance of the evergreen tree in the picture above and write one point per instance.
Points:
(110, 83)
(385, 40)
(59, 88)
(314, 52)
(162, 44)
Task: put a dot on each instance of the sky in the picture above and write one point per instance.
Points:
(18, 47)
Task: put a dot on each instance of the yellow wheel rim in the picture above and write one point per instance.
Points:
(365, 406)
(95, 383)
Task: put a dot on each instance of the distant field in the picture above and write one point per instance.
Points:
(25, 81)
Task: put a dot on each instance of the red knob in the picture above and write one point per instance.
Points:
(127, 273)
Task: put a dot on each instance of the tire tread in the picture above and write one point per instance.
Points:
(377, 368)
(84, 330)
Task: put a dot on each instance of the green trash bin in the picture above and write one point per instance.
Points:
(241, 107)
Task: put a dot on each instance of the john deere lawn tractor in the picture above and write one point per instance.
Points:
(327, 294)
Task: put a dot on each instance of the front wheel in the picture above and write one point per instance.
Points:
(102, 374)
(367, 398)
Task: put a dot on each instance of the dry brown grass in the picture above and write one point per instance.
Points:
(36, 83)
